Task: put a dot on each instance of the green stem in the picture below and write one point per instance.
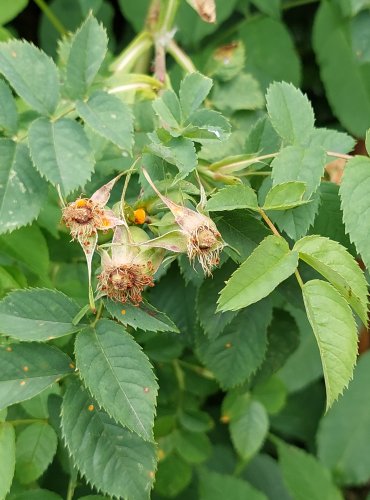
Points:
(139, 45)
(203, 372)
(51, 16)
(71, 486)
(99, 313)
(167, 15)
(26, 421)
(179, 374)
(180, 57)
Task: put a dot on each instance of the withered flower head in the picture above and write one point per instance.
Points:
(202, 239)
(128, 270)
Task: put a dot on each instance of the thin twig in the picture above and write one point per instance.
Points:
(51, 16)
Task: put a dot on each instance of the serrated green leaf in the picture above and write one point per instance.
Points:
(299, 468)
(270, 263)
(248, 428)
(341, 447)
(27, 369)
(194, 89)
(193, 447)
(296, 163)
(31, 73)
(354, 193)
(226, 62)
(37, 314)
(8, 110)
(22, 190)
(290, 113)
(35, 448)
(36, 494)
(336, 335)
(173, 475)
(109, 117)
(232, 198)
(168, 109)
(119, 375)
(241, 93)
(242, 231)
(262, 138)
(213, 323)
(178, 151)
(61, 152)
(7, 457)
(207, 125)
(284, 196)
(340, 69)
(297, 221)
(143, 317)
(9, 10)
(238, 351)
(332, 140)
(113, 459)
(215, 486)
(332, 260)
(86, 54)
(196, 421)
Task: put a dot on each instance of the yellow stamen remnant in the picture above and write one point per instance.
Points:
(140, 216)
(81, 203)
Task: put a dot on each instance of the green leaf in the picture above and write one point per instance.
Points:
(271, 54)
(61, 152)
(37, 494)
(207, 125)
(354, 193)
(336, 334)
(290, 113)
(239, 350)
(264, 473)
(241, 93)
(31, 73)
(193, 447)
(272, 393)
(269, 7)
(213, 323)
(173, 475)
(8, 110)
(143, 317)
(284, 196)
(194, 89)
(344, 432)
(340, 69)
(233, 197)
(270, 263)
(168, 109)
(333, 262)
(249, 427)
(35, 448)
(22, 191)
(332, 140)
(37, 314)
(7, 457)
(119, 375)
(262, 138)
(299, 468)
(215, 486)
(178, 151)
(113, 459)
(27, 369)
(87, 52)
(109, 117)
(242, 231)
(10, 10)
(295, 163)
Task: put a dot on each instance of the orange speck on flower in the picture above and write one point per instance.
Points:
(81, 203)
(25, 368)
(90, 407)
(123, 311)
(225, 419)
(105, 222)
(22, 382)
(140, 216)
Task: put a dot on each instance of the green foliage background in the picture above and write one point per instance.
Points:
(222, 387)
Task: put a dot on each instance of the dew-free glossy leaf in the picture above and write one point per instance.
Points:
(7, 457)
(354, 193)
(37, 314)
(22, 190)
(35, 448)
(232, 198)
(215, 486)
(284, 196)
(119, 375)
(336, 335)
(338, 266)
(270, 263)
(118, 462)
(290, 112)
(31, 73)
(194, 89)
(8, 110)
(61, 152)
(27, 369)
(109, 117)
(168, 109)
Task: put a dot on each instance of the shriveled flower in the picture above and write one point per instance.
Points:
(85, 216)
(202, 238)
(128, 270)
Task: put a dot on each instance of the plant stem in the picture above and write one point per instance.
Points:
(339, 155)
(99, 313)
(71, 486)
(26, 421)
(51, 16)
(180, 57)
(140, 44)
(299, 278)
(179, 374)
(203, 372)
